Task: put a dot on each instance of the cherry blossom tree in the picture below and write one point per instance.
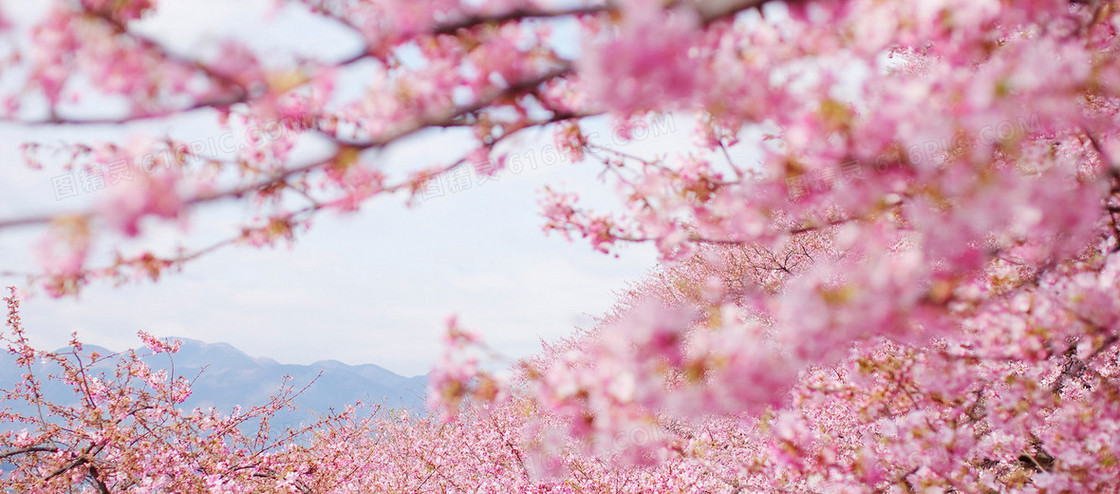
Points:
(126, 430)
(914, 288)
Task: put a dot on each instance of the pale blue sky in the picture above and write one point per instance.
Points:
(374, 287)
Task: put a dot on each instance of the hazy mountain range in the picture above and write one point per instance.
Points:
(229, 377)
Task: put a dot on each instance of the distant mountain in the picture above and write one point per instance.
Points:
(228, 377)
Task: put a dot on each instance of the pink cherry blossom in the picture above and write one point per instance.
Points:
(147, 196)
(888, 261)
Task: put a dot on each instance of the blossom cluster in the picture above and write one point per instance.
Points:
(943, 318)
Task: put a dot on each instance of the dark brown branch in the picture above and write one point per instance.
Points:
(417, 125)
(29, 449)
(95, 479)
(518, 14)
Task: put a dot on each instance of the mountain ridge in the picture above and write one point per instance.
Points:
(225, 377)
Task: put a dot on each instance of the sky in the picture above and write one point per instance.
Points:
(371, 287)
